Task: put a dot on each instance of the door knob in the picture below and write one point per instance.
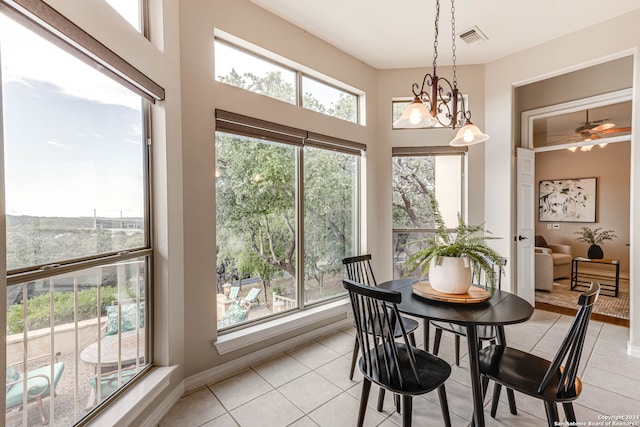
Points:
(522, 238)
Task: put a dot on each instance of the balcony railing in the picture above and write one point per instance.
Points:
(73, 340)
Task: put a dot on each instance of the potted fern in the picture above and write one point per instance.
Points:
(448, 257)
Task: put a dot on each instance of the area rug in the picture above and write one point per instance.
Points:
(563, 296)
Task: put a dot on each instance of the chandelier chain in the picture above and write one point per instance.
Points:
(435, 40)
(453, 41)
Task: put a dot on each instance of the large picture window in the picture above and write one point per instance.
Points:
(416, 173)
(78, 248)
(286, 215)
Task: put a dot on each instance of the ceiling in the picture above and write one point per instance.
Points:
(377, 31)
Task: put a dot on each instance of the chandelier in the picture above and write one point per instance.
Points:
(438, 101)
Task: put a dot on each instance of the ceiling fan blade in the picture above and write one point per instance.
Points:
(603, 127)
(616, 130)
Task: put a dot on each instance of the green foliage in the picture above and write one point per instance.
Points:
(595, 236)
(39, 310)
(413, 180)
(463, 242)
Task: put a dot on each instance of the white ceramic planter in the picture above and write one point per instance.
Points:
(450, 275)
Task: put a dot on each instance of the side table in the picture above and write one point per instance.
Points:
(606, 283)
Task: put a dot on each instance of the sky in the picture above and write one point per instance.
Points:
(72, 136)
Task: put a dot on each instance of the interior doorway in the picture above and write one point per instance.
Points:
(581, 149)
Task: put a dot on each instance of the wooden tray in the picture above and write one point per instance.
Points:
(475, 294)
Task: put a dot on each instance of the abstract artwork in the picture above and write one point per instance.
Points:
(567, 200)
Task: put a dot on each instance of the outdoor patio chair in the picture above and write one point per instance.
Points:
(253, 295)
(234, 291)
(109, 383)
(38, 385)
(393, 364)
(237, 312)
(546, 380)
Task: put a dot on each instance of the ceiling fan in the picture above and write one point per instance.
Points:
(593, 130)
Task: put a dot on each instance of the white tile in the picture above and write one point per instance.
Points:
(459, 398)
(281, 370)
(617, 383)
(270, 409)
(225, 420)
(340, 342)
(304, 422)
(240, 389)
(425, 413)
(337, 371)
(607, 402)
(314, 355)
(195, 409)
(310, 391)
(343, 411)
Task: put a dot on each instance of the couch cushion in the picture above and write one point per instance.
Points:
(561, 259)
(541, 242)
(12, 375)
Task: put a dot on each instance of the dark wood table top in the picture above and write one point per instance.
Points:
(503, 308)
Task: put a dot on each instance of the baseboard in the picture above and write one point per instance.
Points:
(633, 350)
(164, 407)
(235, 366)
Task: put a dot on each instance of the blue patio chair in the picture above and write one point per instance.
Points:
(253, 295)
(38, 387)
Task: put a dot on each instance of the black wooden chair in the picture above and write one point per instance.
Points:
(394, 365)
(551, 381)
(359, 270)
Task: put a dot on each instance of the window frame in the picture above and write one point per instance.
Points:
(300, 71)
(233, 123)
(41, 19)
(433, 151)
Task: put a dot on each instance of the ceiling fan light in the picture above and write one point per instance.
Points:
(586, 148)
(572, 149)
(468, 134)
(416, 115)
(602, 145)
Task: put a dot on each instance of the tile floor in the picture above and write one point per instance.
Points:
(310, 386)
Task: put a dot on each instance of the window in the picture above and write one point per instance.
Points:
(415, 174)
(77, 243)
(247, 69)
(266, 176)
(130, 10)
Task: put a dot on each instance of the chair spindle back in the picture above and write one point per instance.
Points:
(359, 269)
(376, 315)
(571, 348)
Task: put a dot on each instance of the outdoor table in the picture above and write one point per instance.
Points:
(125, 348)
(503, 308)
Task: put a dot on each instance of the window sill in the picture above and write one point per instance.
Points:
(124, 411)
(233, 341)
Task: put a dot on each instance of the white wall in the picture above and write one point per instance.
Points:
(615, 38)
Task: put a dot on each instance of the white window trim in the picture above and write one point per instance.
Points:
(242, 338)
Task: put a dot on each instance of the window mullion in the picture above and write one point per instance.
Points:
(300, 226)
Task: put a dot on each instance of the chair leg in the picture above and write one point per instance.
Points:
(41, 411)
(396, 397)
(380, 399)
(436, 341)
(407, 409)
(354, 358)
(552, 413)
(512, 401)
(426, 326)
(495, 399)
(364, 397)
(457, 349)
(412, 339)
(568, 412)
(444, 405)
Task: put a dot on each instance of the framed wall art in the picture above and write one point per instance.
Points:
(567, 200)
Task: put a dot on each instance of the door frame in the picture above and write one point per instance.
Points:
(529, 116)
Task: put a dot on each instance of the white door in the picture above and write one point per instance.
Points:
(525, 224)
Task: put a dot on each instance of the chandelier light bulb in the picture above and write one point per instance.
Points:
(414, 117)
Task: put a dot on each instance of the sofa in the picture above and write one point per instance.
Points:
(551, 262)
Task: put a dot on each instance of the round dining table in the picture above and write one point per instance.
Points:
(502, 308)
